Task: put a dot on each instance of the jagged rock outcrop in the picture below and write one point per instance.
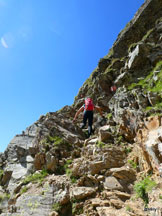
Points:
(51, 169)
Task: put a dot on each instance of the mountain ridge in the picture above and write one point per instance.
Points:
(51, 168)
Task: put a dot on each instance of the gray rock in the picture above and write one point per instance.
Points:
(111, 183)
(95, 167)
(34, 205)
(105, 134)
(81, 192)
(126, 174)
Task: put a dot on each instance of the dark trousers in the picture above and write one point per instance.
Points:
(88, 115)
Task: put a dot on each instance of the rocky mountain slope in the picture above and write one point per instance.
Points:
(51, 168)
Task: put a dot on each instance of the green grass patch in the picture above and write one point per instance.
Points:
(128, 150)
(73, 179)
(152, 84)
(143, 187)
(100, 144)
(53, 141)
(36, 177)
(128, 208)
(149, 83)
(132, 163)
(68, 171)
(120, 138)
(23, 190)
(109, 116)
(56, 140)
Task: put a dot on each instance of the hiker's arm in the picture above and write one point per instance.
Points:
(99, 110)
(78, 112)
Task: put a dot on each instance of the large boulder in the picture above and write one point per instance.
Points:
(128, 175)
(81, 192)
(104, 134)
(111, 183)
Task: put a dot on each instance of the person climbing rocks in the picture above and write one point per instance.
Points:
(113, 88)
(88, 109)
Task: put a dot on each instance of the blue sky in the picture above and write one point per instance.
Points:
(48, 48)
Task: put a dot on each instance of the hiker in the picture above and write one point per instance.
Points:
(88, 109)
(113, 88)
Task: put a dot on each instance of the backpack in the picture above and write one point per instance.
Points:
(89, 104)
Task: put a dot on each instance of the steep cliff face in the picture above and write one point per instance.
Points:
(52, 169)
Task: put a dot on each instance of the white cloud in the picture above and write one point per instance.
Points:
(12, 39)
(4, 43)
(8, 40)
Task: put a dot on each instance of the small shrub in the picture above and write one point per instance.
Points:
(100, 144)
(77, 208)
(132, 86)
(58, 140)
(73, 208)
(119, 139)
(143, 187)
(73, 179)
(148, 108)
(152, 84)
(56, 207)
(109, 115)
(128, 150)
(160, 197)
(68, 171)
(128, 208)
(49, 141)
(132, 163)
(68, 162)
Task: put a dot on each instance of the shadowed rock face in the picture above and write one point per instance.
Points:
(51, 168)
(143, 21)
